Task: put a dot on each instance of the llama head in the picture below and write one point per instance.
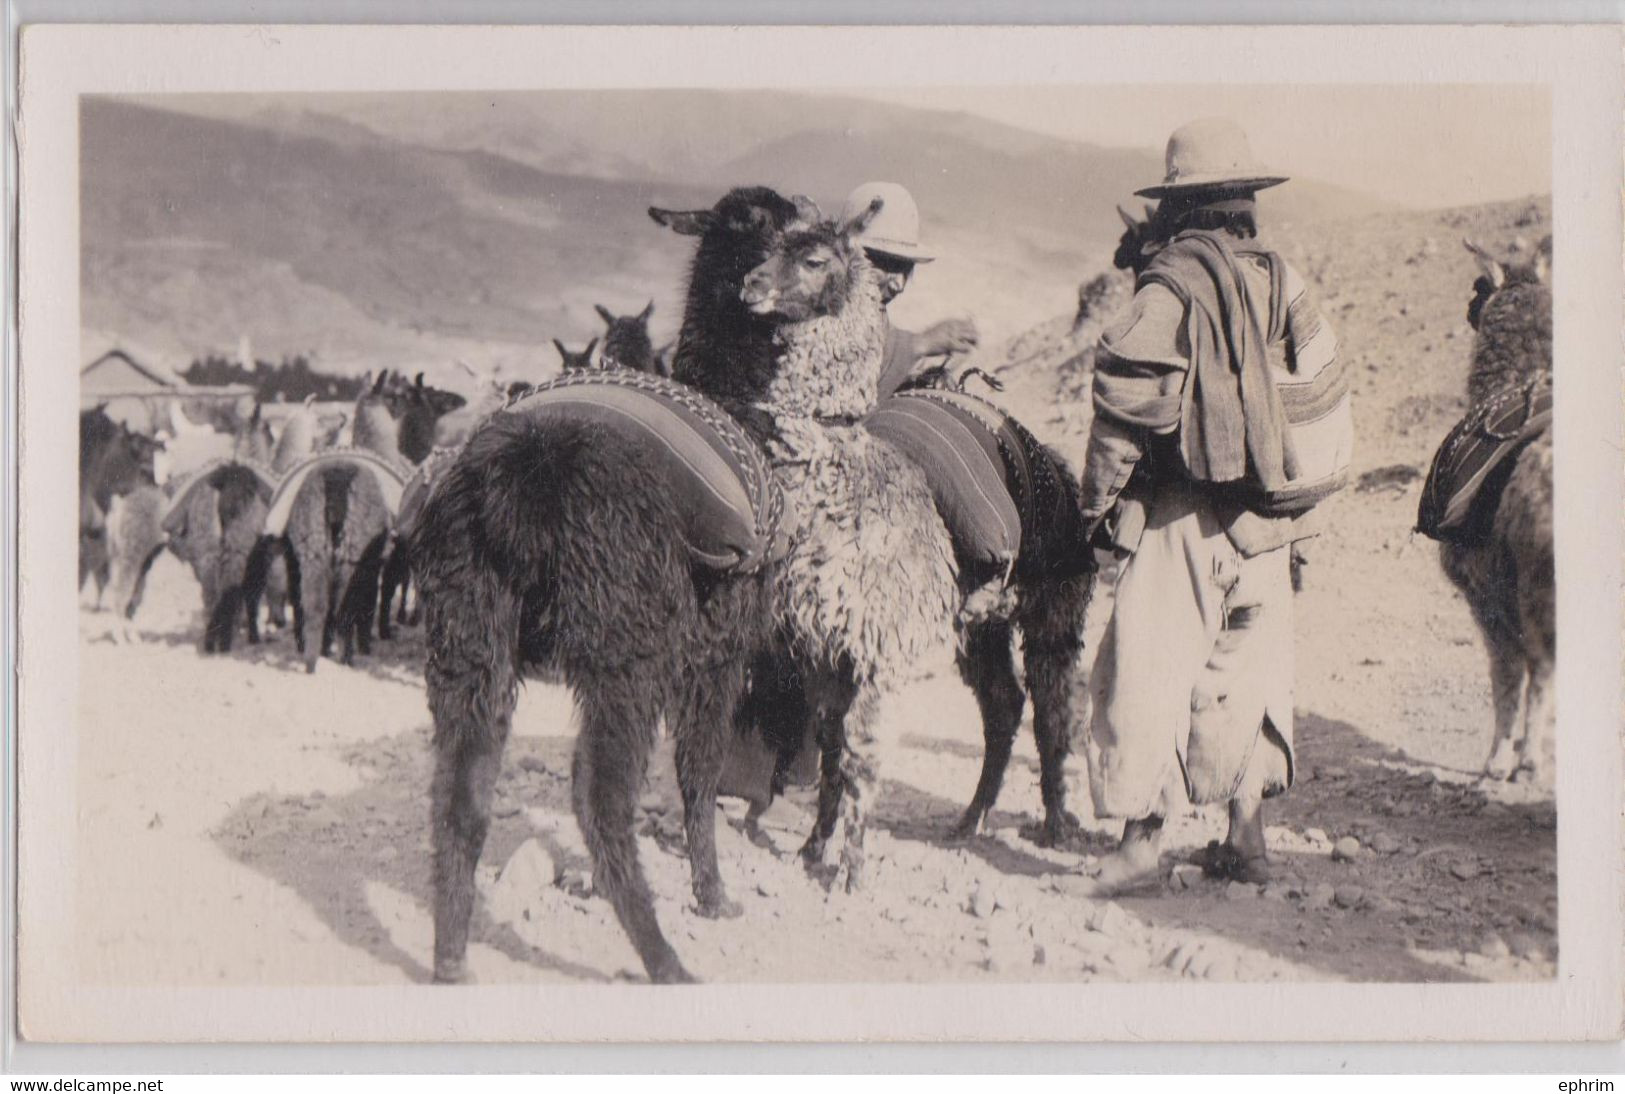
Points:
(574, 358)
(419, 398)
(1524, 281)
(1131, 251)
(253, 440)
(811, 270)
(736, 235)
(1511, 309)
(626, 342)
(375, 425)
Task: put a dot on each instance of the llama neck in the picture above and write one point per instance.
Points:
(376, 430)
(829, 367)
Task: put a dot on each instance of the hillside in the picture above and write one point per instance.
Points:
(410, 230)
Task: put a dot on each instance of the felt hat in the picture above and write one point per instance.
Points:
(1211, 153)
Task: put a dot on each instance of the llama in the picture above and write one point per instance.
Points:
(784, 327)
(214, 522)
(1505, 566)
(557, 545)
(574, 358)
(419, 409)
(554, 544)
(627, 343)
(113, 461)
(1049, 581)
(337, 529)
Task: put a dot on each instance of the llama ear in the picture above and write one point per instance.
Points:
(1543, 266)
(604, 314)
(590, 347)
(1128, 221)
(695, 222)
(310, 400)
(854, 227)
(560, 346)
(806, 208)
(1486, 262)
(646, 312)
(418, 383)
(1150, 212)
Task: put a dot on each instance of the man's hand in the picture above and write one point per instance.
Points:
(949, 336)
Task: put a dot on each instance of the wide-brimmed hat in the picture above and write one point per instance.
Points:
(895, 229)
(1211, 153)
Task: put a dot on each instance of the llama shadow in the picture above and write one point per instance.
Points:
(1442, 867)
(333, 849)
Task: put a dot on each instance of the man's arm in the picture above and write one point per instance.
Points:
(1140, 370)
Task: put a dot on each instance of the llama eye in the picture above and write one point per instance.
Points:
(814, 263)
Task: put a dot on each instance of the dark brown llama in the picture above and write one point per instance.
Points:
(784, 327)
(1504, 563)
(576, 358)
(1049, 589)
(627, 343)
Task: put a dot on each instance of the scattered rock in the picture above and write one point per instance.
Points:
(1525, 945)
(1384, 844)
(1316, 835)
(502, 810)
(533, 764)
(1276, 892)
(1494, 946)
(1240, 890)
(1110, 920)
(577, 882)
(1465, 869)
(1330, 772)
(981, 903)
(1321, 896)
(1187, 875)
(1348, 896)
(529, 871)
(1346, 849)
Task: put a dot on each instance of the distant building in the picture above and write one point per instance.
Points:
(140, 394)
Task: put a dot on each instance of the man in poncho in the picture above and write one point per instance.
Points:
(1189, 448)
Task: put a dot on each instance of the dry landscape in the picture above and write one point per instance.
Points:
(262, 826)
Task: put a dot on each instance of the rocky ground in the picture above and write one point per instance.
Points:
(243, 823)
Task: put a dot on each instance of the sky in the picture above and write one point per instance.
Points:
(1425, 145)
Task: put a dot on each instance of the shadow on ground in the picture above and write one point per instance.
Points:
(330, 849)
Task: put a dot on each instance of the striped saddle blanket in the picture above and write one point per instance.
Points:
(1472, 465)
(719, 474)
(998, 489)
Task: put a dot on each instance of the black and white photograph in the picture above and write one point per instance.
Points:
(1021, 533)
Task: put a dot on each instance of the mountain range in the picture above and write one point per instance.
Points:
(412, 229)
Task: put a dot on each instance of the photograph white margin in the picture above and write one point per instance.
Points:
(1580, 64)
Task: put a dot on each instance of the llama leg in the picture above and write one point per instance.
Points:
(296, 603)
(255, 576)
(472, 685)
(829, 804)
(313, 607)
(987, 667)
(1506, 692)
(224, 619)
(618, 719)
(1052, 630)
(860, 783)
(1537, 748)
(702, 727)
